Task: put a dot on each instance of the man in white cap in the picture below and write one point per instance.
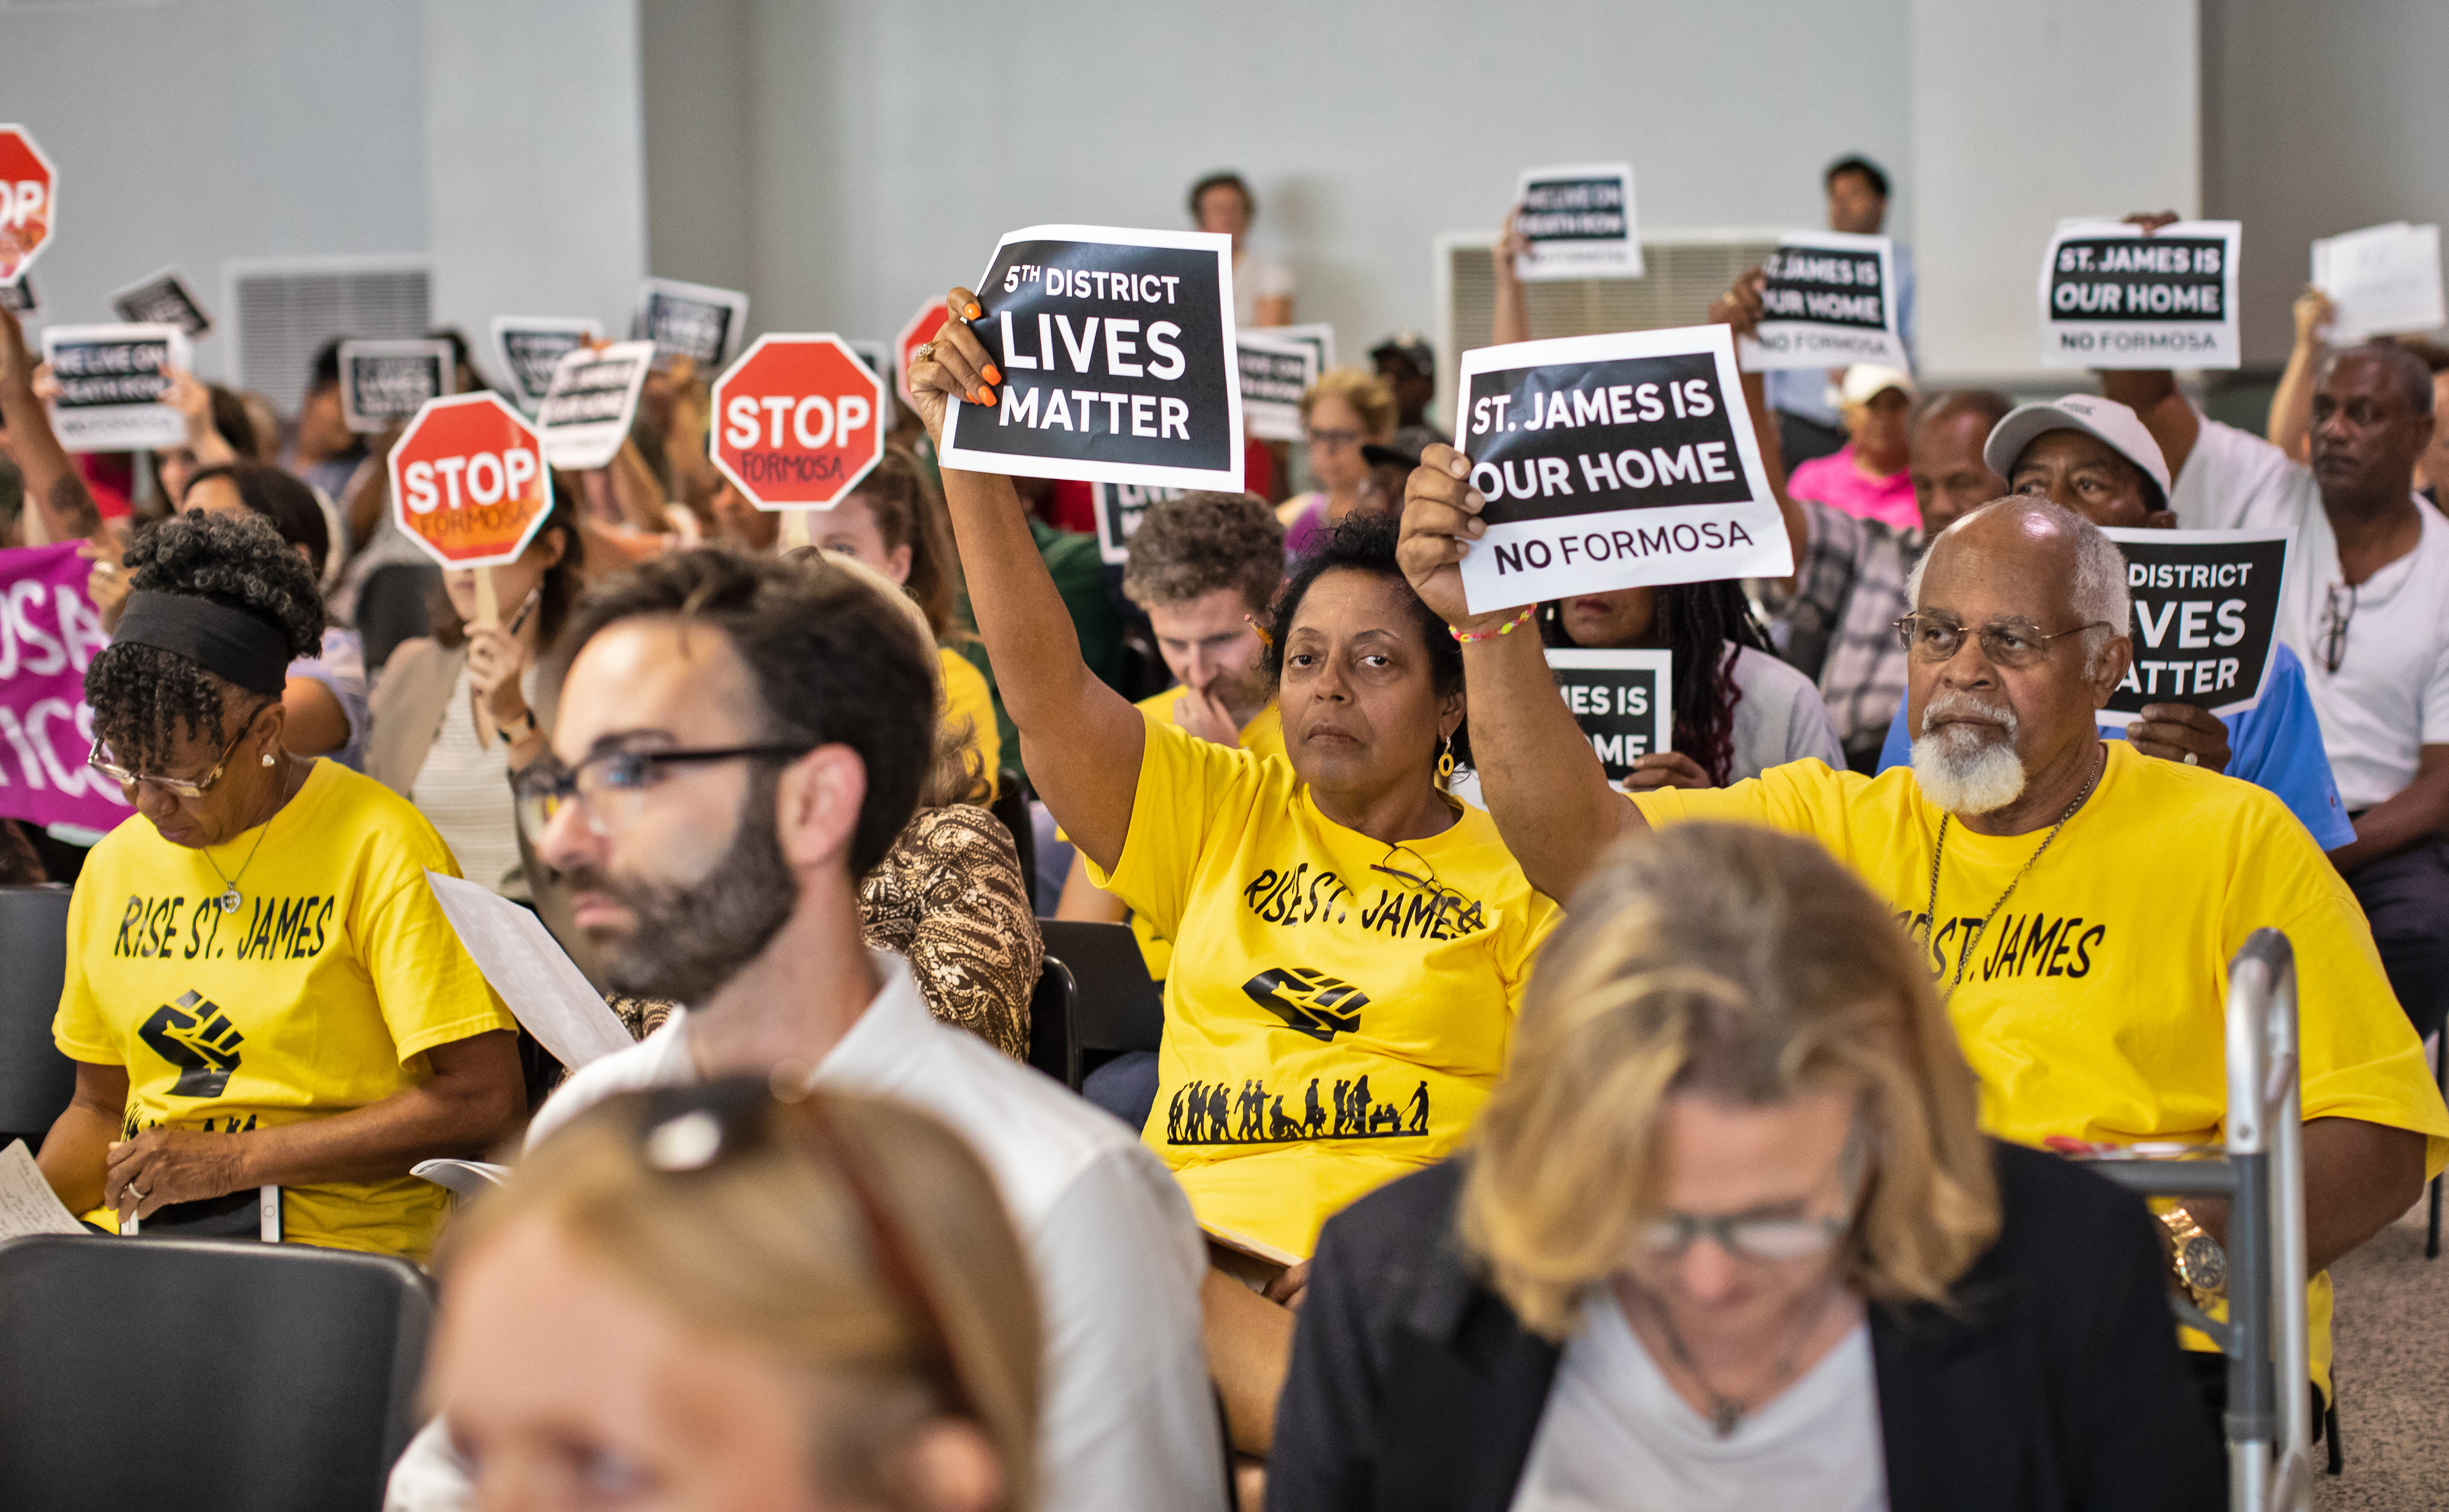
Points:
(2367, 608)
(2095, 457)
(2077, 902)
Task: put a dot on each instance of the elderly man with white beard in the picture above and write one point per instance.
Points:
(2079, 902)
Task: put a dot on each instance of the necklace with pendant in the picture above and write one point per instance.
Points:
(231, 899)
(1940, 849)
(1727, 1413)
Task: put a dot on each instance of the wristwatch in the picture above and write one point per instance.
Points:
(2200, 1263)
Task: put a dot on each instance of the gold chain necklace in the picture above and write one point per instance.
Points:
(1939, 850)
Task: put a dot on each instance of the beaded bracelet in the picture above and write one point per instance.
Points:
(1507, 629)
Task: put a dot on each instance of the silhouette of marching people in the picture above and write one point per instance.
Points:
(1212, 1113)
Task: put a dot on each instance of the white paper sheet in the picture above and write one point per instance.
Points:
(2383, 280)
(467, 1177)
(527, 966)
(27, 1205)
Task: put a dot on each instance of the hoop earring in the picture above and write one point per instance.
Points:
(1445, 759)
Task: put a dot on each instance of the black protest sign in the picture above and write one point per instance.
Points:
(383, 383)
(1275, 374)
(112, 386)
(2205, 617)
(1827, 300)
(693, 320)
(1612, 462)
(17, 296)
(163, 300)
(590, 403)
(530, 347)
(1624, 701)
(1120, 506)
(1579, 221)
(1117, 354)
(2114, 297)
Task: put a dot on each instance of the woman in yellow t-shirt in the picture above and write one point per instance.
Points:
(1350, 943)
(261, 990)
(894, 522)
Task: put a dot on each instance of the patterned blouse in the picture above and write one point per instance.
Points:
(949, 898)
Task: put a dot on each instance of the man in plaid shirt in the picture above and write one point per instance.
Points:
(1837, 622)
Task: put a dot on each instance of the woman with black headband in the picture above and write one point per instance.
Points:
(262, 989)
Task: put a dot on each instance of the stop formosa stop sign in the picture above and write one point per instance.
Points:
(28, 197)
(468, 480)
(798, 422)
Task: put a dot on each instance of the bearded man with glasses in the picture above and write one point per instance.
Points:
(2077, 902)
(737, 743)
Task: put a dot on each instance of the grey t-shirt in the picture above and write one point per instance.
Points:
(1779, 718)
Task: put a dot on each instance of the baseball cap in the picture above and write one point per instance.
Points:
(1412, 347)
(2106, 419)
(1864, 381)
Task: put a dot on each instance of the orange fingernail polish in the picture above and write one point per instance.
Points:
(993, 376)
(986, 395)
(976, 312)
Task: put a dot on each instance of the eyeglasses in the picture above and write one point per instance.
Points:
(610, 785)
(2335, 619)
(100, 761)
(2006, 643)
(1334, 440)
(691, 1129)
(1754, 1238)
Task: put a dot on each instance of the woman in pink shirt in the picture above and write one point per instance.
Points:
(1866, 476)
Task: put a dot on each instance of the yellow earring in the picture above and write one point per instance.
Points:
(1445, 760)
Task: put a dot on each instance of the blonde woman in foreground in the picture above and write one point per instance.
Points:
(705, 1298)
(1727, 1237)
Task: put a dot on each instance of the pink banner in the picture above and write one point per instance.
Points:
(48, 634)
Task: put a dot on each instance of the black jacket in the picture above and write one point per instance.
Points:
(2057, 1385)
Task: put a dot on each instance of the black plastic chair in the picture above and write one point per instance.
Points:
(35, 1079)
(394, 603)
(1120, 1008)
(205, 1373)
(1012, 805)
(1053, 1041)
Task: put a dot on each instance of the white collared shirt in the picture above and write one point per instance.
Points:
(1127, 1420)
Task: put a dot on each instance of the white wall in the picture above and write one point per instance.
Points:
(2316, 125)
(890, 144)
(2025, 113)
(535, 184)
(214, 130)
(501, 141)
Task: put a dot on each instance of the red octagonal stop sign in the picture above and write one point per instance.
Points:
(798, 422)
(29, 201)
(468, 480)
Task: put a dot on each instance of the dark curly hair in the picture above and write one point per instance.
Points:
(1188, 547)
(1705, 625)
(831, 662)
(145, 698)
(1366, 543)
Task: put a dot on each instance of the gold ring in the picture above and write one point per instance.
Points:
(926, 351)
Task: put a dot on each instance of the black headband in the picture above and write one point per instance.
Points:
(228, 643)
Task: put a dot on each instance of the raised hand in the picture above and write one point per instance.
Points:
(954, 364)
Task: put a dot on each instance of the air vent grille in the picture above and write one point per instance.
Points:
(284, 312)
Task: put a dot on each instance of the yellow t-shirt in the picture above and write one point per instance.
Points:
(965, 698)
(1262, 736)
(319, 995)
(1328, 1026)
(2093, 1004)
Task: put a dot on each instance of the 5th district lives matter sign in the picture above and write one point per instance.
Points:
(112, 385)
(1580, 222)
(2114, 297)
(2205, 617)
(1829, 301)
(1120, 506)
(1117, 354)
(1612, 462)
(1624, 701)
